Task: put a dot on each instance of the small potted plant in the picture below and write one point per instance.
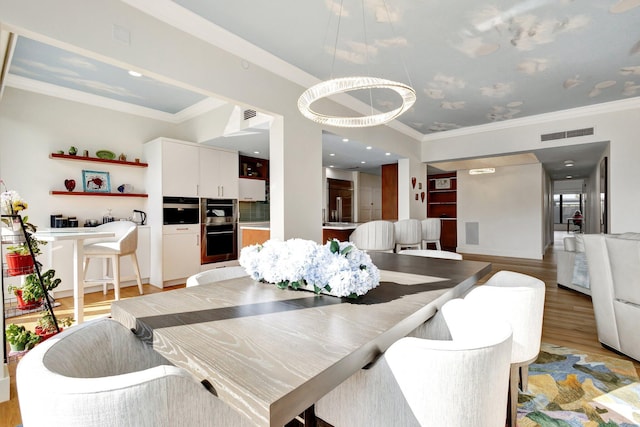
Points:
(20, 339)
(30, 294)
(46, 327)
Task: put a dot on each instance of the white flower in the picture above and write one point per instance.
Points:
(337, 268)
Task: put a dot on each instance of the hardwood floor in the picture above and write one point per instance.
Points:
(568, 316)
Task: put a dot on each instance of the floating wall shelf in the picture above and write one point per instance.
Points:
(97, 160)
(96, 194)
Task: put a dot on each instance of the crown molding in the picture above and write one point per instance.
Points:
(572, 113)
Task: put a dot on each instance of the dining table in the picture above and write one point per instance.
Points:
(271, 353)
(78, 236)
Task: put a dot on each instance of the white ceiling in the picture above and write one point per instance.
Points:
(471, 63)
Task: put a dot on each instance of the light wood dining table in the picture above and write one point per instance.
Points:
(272, 353)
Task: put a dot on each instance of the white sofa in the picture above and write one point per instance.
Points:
(614, 269)
(572, 271)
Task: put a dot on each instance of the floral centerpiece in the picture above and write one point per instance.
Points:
(11, 204)
(336, 268)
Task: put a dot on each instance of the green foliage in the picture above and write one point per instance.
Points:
(47, 324)
(31, 290)
(20, 337)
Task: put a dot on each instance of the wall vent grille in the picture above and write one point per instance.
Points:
(248, 114)
(566, 134)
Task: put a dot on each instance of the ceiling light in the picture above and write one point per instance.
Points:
(332, 154)
(481, 171)
(569, 176)
(331, 166)
(363, 162)
(369, 147)
(387, 154)
(345, 139)
(568, 163)
(134, 73)
(256, 152)
(348, 84)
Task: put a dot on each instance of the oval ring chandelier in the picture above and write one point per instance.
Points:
(348, 84)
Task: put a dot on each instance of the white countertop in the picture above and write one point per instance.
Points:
(340, 226)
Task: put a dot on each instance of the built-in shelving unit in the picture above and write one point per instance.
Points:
(442, 203)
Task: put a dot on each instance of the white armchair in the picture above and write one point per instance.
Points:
(614, 270)
(100, 374)
(421, 382)
(408, 234)
(431, 230)
(572, 271)
(374, 236)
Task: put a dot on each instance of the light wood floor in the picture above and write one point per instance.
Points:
(568, 315)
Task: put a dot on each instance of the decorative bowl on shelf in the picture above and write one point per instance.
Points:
(105, 154)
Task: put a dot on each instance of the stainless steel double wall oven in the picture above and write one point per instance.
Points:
(218, 223)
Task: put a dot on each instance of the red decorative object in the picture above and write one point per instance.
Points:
(416, 196)
(413, 182)
(18, 265)
(22, 305)
(44, 334)
(70, 184)
(422, 196)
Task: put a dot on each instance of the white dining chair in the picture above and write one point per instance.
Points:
(374, 236)
(431, 253)
(518, 299)
(408, 234)
(431, 230)
(100, 374)
(216, 275)
(423, 382)
(111, 250)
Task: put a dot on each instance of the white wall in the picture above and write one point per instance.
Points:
(508, 209)
(617, 122)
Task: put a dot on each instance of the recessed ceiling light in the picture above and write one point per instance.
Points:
(369, 147)
(363, 162)
(332, 154)
(331, 166)
(481, 171)
(569, 176)
(134, 73)
(345, 139)
(256, 152)
(568, 163)
(387, 154)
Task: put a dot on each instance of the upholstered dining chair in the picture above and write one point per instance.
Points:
(216, 275)
(431, 229)
(374, 236)
(431, 253)
(100, 374)
(519, 299)
(422, 382)
(408, 234)
(111, 249)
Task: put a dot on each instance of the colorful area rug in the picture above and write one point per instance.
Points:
(568, 388)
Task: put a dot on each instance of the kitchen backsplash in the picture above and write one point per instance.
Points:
(253, 211)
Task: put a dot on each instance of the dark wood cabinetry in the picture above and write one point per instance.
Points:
(253, 167)
(390, 192)
(442, 203)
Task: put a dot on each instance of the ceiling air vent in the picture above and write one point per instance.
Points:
(566, 134)
(248, 114)
(579, 132)
(552, 136)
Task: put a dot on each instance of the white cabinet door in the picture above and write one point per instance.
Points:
(218, 174)
(179, 169)
(180, 252)
(252, 190)
(228, 174)
(209, 161)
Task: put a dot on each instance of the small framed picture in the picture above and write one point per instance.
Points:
(419, 186)
(96, 182)
(443, 184)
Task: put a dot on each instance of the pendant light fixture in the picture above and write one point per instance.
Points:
(347, 84)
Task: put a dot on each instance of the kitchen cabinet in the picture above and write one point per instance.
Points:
(180, 252)
(252, 190)
(190, 170)
(217, 174)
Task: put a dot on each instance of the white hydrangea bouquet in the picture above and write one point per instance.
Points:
(336, 268)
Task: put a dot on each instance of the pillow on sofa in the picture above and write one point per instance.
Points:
(579, 243)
